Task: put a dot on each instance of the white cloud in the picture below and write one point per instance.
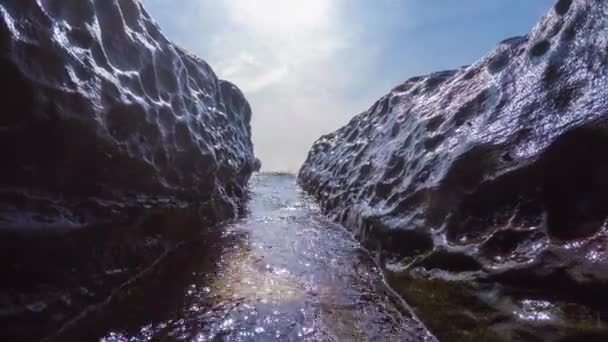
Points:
(252, 73)
(280, 18)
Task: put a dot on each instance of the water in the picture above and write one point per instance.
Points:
(283, 272)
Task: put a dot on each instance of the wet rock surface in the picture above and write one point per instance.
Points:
(97, 102)
(104, 123)
(483, 188)
(52, 281)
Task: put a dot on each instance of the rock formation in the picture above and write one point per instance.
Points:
(104, 122)
(482, 189)
(257, 165)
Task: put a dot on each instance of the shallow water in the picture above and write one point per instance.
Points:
(283, 272)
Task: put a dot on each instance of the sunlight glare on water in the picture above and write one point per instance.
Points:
(284, 273)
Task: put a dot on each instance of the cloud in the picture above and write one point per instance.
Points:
(252, 73)
(292, 59)
(280, 18)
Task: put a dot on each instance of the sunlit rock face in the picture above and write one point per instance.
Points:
(103, 123)
(97, 102)
(484, 188)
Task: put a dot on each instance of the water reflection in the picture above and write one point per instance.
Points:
(281, 273)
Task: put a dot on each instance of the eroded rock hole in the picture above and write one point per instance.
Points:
(395, 167)
(540, 48)
(397, 243)
(490, 206)
(431, 143)
(563, 6)
(574, 25)
(552, 74)
(498, 63)
(434, 123)
(507, 157)
(471, 109)
(564, 97)
(444, 260)
(436, 80)
(575, 185)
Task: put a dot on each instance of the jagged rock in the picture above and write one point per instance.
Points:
(103, 120)
(97, 102)
(483, 188)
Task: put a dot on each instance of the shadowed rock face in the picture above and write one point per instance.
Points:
(484, 189)
(117, 146)
(97, 102)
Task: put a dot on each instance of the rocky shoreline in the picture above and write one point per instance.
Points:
(481, 189)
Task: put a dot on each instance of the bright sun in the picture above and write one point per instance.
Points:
(281, 16)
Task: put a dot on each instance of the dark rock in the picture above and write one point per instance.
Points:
(104, 122)
(257, 165)
(97, 102)
(483, 189)
(54, 282)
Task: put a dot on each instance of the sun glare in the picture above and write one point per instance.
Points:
(281, 16)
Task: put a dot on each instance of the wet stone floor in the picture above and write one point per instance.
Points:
(281, 273)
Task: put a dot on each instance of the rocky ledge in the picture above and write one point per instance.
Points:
(482, 190)
(117, 145)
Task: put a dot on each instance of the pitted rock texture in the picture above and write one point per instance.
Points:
(97, 102)
(484, 189)
(117, 147)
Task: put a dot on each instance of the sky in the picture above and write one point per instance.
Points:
(308, 66)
